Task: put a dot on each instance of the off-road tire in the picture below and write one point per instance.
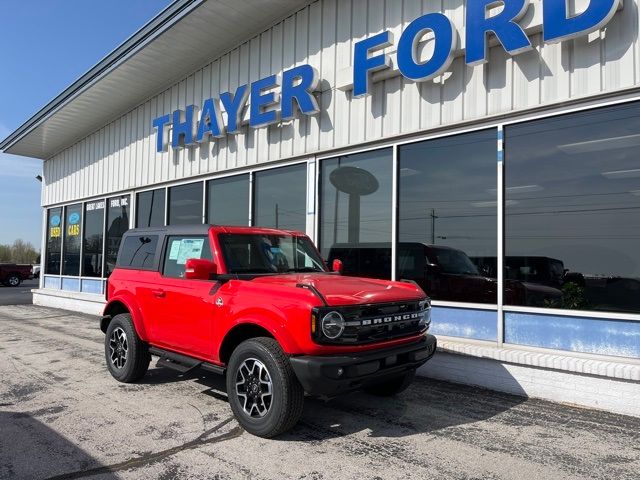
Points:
(287, 394)
(13, 280)
(393, 386)
(137, 354)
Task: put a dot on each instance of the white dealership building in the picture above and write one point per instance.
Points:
(485, 150)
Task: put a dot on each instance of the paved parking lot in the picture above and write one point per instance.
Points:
(20, 295)
(62, 416)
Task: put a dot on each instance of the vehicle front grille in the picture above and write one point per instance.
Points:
(377, 322)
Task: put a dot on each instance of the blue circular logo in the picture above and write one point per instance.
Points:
(55, 221)
(74, 218)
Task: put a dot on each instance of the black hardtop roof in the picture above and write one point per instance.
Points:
(203, 229)
(195, 229)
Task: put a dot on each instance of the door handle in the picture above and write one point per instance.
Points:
(159, 293)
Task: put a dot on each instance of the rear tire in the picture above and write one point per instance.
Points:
(264, 392)
(393, 386)
(13, 280)
(126, 354)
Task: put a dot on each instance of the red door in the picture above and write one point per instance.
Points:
(183, 310)
(185, 316)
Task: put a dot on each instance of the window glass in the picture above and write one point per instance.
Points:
(72, 238)
(92, 238)
(117, 224)
(269, 254)
(355, 212)
(54, 241)
(280, 198)
(573, 211)
(228, 200)
(150, 208)
(447, 216)
(138, 251)
(181, 249)
(185, 204)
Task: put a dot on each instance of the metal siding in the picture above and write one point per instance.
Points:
(121, 155)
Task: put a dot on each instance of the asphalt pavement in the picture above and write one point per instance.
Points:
(62, 416)
(20, 295)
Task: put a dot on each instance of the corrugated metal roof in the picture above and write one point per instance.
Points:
(178, 40)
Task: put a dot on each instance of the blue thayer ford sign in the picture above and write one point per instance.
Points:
(277, 98)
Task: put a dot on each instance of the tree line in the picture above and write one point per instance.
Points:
(19, 252)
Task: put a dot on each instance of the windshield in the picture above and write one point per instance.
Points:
(254, 253)
(455, 262)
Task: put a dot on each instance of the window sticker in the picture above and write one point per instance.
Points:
(189, 248)
(175, 248)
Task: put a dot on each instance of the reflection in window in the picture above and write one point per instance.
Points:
(54, 243)
(93, 234)
(117, 224)
(280, 198)
(228, 200)
(150, 208)
(185, 204)
(71, 254)
(573, 211)
(447, 216)
(138, 251)
(355, 212)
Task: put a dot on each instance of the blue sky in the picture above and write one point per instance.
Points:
(45, 46)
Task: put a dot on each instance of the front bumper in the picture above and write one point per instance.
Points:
(320, 375)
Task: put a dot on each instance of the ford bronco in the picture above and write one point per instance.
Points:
(261, 307)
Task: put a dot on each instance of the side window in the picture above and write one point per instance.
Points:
(180, 249)
(138, 251)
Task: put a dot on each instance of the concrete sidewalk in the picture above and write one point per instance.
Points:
(63, 416)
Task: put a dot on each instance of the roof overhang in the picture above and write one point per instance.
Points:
(181, 38)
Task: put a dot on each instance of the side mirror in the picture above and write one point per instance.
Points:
(433, 268)
(337, 266)
(199, 269)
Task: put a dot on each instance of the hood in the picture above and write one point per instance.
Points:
(342, 290)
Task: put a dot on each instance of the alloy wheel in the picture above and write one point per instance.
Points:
(254, 388)
(118, 347)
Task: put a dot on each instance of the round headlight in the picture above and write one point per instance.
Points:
(332, 325)
(425, 314)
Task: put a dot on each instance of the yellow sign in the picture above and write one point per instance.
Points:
(73, 230)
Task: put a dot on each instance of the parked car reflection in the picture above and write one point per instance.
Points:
(443, 272)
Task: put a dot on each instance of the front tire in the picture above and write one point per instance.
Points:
(126, 354)
(393, 386)
(264, 393)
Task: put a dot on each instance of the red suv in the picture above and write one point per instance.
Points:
(260, 306)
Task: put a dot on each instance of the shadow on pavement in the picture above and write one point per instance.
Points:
(428, 405)
(30, 449)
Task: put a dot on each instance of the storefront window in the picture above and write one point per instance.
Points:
(228, 200)
(280, 198)
(92, 239)
(185, 204)
(150, 208)
(117, 224)
(54, 241)
(447, 216)
(72, 238)
(355, 212)
(573, 211)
